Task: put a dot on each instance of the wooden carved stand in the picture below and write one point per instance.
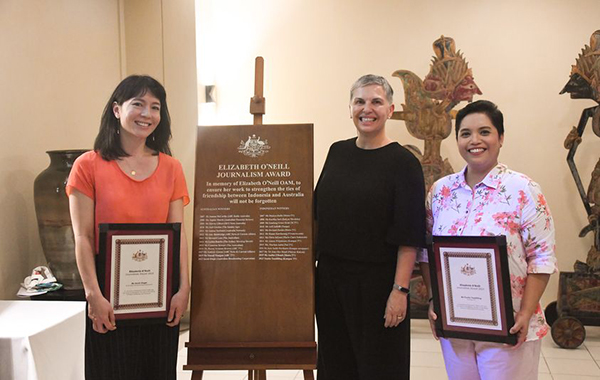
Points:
(253, 304)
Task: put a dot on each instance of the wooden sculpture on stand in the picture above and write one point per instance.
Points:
(428, 113)
(427, 110)
(579, 291)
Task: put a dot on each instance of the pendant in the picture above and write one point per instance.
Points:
(133, 172)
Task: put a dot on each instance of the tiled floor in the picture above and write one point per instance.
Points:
(427, 363)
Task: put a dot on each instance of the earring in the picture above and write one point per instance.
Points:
(118, 133)
(153, 137)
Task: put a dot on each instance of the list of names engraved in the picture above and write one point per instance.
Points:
(225, 237)
(249, 213)
(279, 237)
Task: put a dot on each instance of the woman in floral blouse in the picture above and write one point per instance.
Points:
(486, 198)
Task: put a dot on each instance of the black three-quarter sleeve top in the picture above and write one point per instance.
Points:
(369, 202)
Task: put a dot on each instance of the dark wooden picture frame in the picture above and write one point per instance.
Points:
(170, 274)
(499, 259)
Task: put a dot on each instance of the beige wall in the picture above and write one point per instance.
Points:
(60, 61)
(160, 41)
(521, 54)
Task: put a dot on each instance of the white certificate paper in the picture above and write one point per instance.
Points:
(470, 287)
(139, 273)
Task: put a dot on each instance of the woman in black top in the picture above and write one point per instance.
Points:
(369, 205)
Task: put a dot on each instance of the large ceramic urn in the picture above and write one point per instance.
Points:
(54, 220)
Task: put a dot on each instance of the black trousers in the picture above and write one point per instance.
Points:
(144, 352)
(350, 305)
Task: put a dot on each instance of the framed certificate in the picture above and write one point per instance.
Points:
(138, 269)
(471, 288)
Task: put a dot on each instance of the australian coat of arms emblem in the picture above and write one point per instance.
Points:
(467, 270)
(253, 147)
(139, 255)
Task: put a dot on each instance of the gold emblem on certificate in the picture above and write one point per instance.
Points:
(471, 287)
(140, 255)
(138, 269)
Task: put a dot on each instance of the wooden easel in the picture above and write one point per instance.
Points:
(257, 102)
(270, 353)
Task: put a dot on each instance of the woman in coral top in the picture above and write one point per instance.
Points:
(486, 198)
(129, 177)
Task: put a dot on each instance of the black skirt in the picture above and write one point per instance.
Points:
(353, 342)
(143, 352)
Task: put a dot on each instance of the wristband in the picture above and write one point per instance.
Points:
(401, 289)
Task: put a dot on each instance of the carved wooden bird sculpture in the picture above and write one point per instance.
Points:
(425, 118)
(427, 110)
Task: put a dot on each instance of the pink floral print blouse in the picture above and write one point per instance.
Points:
(503, 203)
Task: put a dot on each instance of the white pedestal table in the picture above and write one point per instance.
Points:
(42, 340)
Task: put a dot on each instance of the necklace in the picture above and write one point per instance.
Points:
(128, 168)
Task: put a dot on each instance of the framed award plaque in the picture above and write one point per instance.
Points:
(471, 288)
(138, 269)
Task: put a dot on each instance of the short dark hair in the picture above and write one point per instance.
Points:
(485, 107)
(107, 142)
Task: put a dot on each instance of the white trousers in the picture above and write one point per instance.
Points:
(473, 360)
